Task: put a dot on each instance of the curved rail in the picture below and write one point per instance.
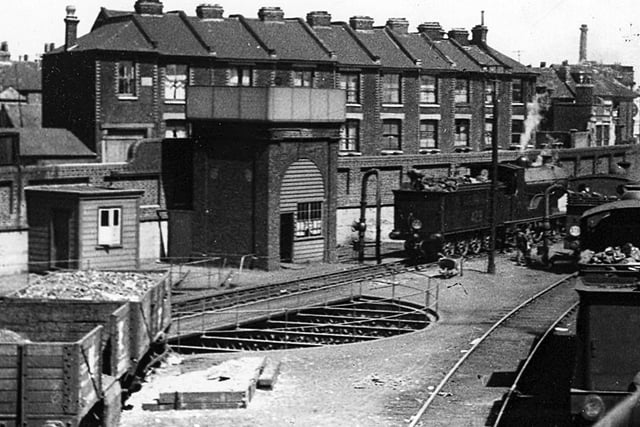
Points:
(416, 418)
(512, 390)
(221, 299)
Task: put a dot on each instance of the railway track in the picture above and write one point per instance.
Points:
(472, 390)
(197, 302)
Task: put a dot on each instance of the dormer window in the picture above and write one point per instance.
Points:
(175, 82)
(126, 79)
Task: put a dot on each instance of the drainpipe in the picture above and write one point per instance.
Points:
(363, 213)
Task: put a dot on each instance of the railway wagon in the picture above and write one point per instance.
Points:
(49, 374)
(130, 331)
(130, 324)
(454, 217)
(607, 364)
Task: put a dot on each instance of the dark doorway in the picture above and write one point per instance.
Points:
(60, 253)
(286, 237)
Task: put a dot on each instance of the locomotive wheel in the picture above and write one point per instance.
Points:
(462, 247)
(475, 245)
(448, 248)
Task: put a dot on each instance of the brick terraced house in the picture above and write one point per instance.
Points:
(269, 123)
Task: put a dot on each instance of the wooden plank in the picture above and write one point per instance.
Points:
(269, 374)
(8, 349)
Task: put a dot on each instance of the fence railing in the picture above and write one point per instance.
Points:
(297, 298)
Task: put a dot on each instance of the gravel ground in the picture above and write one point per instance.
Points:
(381, 383)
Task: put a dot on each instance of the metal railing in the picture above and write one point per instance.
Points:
(299, 297)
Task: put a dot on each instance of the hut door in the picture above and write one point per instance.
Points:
(60, 238)
(286, 237)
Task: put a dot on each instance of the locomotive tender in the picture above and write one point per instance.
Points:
(453, 217)
(607, 364)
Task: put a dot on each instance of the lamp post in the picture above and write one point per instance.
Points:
(491, 263)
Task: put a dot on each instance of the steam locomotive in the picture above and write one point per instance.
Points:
(452, 216)
(607, 363)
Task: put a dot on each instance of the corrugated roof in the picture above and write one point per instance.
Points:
(289, 39)
(85, 190)
(381, 44)
(49, 142)
(24, 115)
(340, 40)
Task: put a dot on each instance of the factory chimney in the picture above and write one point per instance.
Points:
(583, 43)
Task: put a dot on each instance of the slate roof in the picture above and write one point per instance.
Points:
(603, 85)
(382, 45)
(290, 39)
(459, 60)
(515, 66)
(24, 76)
(49, 142)
(229, 39)
(422, 49)
(24, 115)
(342, 41)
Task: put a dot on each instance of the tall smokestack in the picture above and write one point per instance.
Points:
(583, 43)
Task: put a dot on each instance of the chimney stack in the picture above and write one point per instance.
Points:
(460, 35)
(148, 7)
(583, 43)
(319, 18)
(479, 32)
(271, 14)
(5, 56)
(361, 23)
(398, 25)
(209, 11)
(433, 30)
(71, 28)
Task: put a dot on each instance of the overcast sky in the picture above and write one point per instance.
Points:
(531, 31)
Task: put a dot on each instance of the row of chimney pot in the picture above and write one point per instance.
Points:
(433, 30)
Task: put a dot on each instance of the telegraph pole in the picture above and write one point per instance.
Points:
(491, 264)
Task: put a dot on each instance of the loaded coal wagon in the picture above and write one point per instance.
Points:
(452, 215)
(125, 314)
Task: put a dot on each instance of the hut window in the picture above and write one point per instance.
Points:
(126, 79)
(309, 219)
(109, 226)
